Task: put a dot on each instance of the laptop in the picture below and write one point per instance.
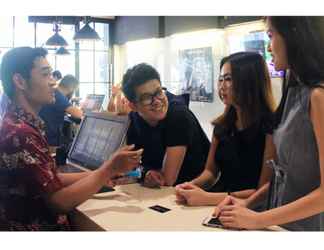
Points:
(99, 136)
(93, 102)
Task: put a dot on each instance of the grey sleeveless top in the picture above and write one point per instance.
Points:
(297, 170)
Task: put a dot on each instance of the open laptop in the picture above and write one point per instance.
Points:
(93, 102)
(99, 136)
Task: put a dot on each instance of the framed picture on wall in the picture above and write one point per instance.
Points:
(196, 73)
(258, 42)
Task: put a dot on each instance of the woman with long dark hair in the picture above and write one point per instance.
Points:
(241, 141)
(296, 198)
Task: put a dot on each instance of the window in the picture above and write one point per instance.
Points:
(64, 63)
(90, 62)
(6, 27)
(24, 32)
(94, 63)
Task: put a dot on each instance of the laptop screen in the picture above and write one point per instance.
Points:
(93, 102)
(99, 136)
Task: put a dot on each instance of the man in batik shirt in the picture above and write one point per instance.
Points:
(33, 196)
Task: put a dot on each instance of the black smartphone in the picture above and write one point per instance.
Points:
(160, 209)
(212, 222)
(105, 189)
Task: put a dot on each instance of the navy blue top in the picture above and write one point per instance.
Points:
(53, 116)
(179, 128)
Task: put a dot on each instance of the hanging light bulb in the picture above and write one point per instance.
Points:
(56, 39)
(86, 33)
(62, 51)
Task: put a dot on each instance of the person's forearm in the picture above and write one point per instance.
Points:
(258, 196)
(70, 178)
(206, 180)
(216, 198)
(71, 196)
(243, 194)
(213, 199)
(307, 206)
(74, 112)
(169, 180)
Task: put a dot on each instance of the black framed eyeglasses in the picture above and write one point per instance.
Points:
(148, 99)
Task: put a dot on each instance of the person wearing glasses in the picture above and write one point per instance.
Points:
(241, 142)
(175, 146)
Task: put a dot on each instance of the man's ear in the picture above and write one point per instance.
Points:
(132, 106)
(19, 82)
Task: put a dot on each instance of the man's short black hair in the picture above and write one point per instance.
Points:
(136, 76)
(69, 81)
(18, 60)
(57, 74)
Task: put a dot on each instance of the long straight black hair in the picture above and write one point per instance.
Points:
(304, 40)
(252, 91)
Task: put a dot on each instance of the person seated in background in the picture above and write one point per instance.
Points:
(175, 146)
(53, 114)
(118, 104)
(33, 196)
(242, 141)
(57, 75)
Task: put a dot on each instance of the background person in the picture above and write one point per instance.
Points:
(53, 114)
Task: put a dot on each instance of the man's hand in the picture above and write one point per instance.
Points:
(153, 179)
(123, 161)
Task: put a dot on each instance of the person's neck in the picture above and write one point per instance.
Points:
(64, 91)
(152, 123)
(149, 122)
(28, 107)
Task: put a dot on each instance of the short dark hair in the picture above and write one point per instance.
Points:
(69, 81)
(136, 76)
(18, 60)
(57, 74)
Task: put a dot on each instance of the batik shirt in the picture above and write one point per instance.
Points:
(27, 175)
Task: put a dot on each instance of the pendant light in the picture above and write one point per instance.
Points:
(86, 33)
(62, 51)
(56, 39)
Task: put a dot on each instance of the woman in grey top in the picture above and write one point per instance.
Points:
(296, 197)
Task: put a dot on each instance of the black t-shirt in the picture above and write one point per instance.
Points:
(239, 156)
(179, 128)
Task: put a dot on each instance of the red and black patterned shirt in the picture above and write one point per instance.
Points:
(27, 175)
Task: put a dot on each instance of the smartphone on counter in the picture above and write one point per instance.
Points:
(212, 222)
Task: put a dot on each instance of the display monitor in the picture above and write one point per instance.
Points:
(93, 102)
